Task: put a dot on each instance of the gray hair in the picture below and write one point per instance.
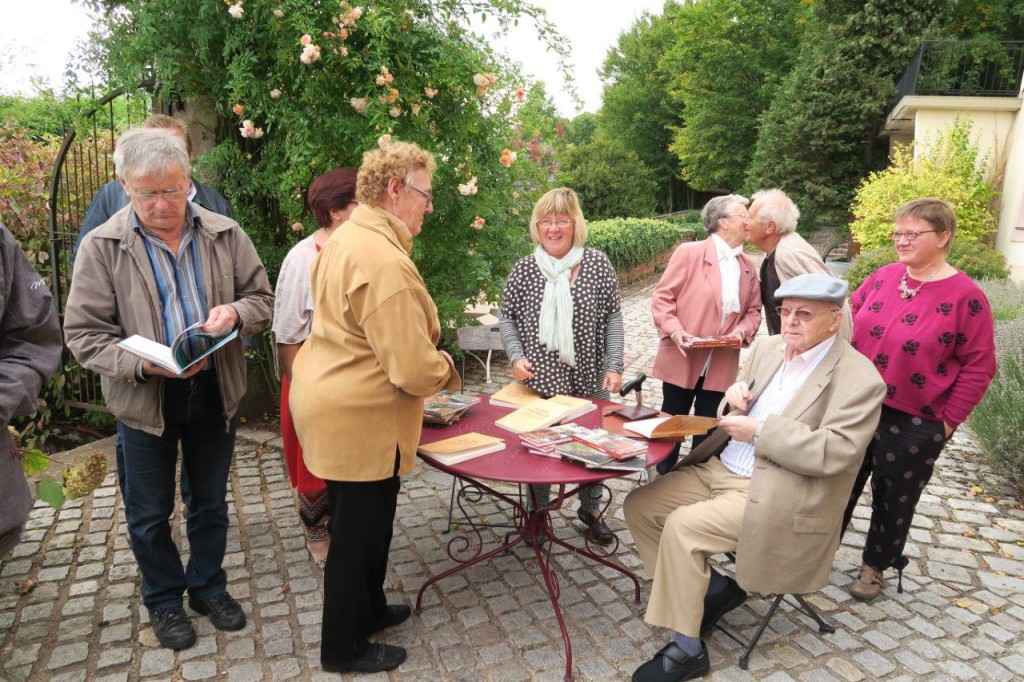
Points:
(141, 151)
(778, 208)
(717, 209)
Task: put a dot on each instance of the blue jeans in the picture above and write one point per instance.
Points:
(194, 417)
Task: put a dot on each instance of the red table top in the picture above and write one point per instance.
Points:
(515, 464)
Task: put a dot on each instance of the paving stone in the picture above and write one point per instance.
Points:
(114, 656)
(68, 654)
(874, 664)
(199, 670)
(156, 661)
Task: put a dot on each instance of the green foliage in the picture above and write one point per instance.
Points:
(629, 242)
(978, 261)
(818, 137)
(949, 171)
(46, 114)
(50, 491)
(1006, 298)
(730, 56)
(404, 68)
(998, 420)
(610, 179)
(581, 129)
(637, 109)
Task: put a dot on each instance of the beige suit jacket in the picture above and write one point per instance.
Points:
(794, 256)
(805, 463)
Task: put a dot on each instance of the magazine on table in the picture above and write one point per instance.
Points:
(444, 408)
(188, 348)
(595, 459)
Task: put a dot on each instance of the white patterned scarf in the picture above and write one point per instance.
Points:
(556, 305)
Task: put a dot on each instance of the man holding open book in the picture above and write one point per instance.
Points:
(770, 484)
(158, 267)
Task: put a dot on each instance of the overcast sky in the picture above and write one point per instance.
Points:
(36, 37)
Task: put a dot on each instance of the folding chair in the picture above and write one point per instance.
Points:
(801, 606)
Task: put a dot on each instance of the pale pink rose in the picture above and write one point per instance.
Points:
(343, 51)
(359, 103)
(520, 94)
(395, 112)
(390, 78)
(508, 157)
(384, 140)
(357, 13)
(479, 223)
(310, 53)
(469, 188)
(429, 92)
(343, 33)
(275, 93)
(306, 39)
(296, 227)
(236, 10)
(238, 109)
(381, 80)
(415, 109)
(278, 13)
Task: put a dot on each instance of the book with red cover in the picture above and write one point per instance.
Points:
(619, 447)
(702, 342)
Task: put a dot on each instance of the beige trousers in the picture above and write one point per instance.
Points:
(678, 521)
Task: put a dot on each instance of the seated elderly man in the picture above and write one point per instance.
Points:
(159, 266)
(771, 483)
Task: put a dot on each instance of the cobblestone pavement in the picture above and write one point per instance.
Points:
(70, 607)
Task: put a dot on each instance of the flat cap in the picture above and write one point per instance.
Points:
(815, 286)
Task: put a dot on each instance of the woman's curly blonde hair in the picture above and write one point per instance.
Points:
(392, 160)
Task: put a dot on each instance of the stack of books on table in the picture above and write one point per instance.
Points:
(541, 413)
(445, 408)
(613, 445)
(543, 441)
(460, 448)
(593, 458)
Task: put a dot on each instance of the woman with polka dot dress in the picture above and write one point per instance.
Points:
(928, 329)
(561, 323)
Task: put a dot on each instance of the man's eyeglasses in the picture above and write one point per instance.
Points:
(170, 195)
(910, 235)
(800, 313)
(562, 223)
(429, 196)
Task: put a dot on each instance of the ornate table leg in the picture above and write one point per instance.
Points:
(472, 542)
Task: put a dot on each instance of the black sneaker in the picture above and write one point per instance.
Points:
(596, 528)
(173, 627)
(375, 658)
(672, 664)
(721, 603)
(224, 612)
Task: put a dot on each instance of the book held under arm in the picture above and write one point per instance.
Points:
(188, 348)
(460, 448)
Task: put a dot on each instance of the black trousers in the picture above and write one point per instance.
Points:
(676, 400)
(362, 514)
(900, 460)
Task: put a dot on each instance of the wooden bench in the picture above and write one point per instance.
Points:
(478, 339)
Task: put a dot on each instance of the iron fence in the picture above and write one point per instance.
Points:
(963, 68)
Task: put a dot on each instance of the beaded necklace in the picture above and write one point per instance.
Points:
(906, 293)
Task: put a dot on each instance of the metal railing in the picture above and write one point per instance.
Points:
(964, 68)
(83, 165)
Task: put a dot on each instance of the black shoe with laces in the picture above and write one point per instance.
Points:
(224, 612)
(374, 658)
(173, 627)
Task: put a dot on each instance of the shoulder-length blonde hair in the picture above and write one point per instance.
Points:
(561, 201)
(393, 160)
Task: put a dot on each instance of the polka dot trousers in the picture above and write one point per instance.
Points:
(900, 460)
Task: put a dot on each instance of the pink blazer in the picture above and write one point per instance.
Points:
(689, 296)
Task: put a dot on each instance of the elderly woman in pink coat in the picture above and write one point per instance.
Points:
(710, 288)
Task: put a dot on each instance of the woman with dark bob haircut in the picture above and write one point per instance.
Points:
(331, 199)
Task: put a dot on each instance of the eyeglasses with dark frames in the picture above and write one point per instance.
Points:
(909, 235)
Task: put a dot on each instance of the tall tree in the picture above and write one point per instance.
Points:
(730, 56)
(637, 109)
(611, 180)
(818, 138)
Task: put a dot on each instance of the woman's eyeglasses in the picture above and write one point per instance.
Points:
(548, 222)
(910, 235)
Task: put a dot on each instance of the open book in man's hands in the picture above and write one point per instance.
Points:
(188, 348)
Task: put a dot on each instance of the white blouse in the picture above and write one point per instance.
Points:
(293, 299)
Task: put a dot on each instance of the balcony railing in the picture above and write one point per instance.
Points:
(964, 68)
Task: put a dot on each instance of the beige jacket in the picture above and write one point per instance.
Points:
(794, 256)
(805, 463)
(371, 357)
(114, 295)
